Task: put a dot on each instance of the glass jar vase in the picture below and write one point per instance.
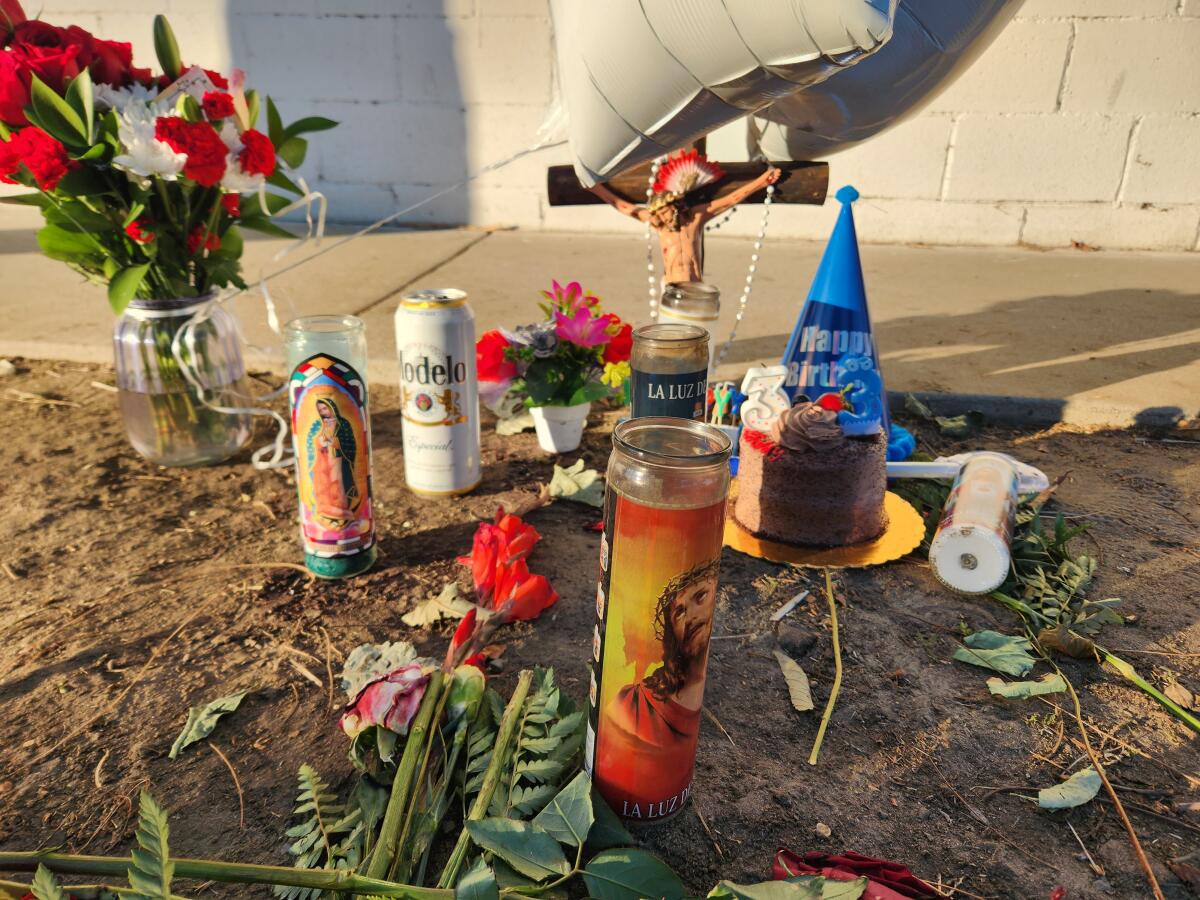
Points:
(165, 418)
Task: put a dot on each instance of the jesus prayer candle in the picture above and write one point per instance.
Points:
(331, 435)
(668, 480)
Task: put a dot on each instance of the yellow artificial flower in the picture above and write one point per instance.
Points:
(615, 374)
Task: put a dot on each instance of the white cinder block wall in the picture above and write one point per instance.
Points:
(1081, 124)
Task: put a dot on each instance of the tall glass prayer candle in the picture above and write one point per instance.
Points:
(693, 303)
(670, 371)
(331, 434)
(668, 480)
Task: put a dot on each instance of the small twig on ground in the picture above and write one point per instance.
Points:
(96, 780)
(329, 665)
(1096, 867)
(307, 673)
(27, 397)
(270, 512)
(236, 784)
(9, 572)
(789, 606)
(101, 386)
(837, 671)
(731, 637)
(712, 718)
(707, 830)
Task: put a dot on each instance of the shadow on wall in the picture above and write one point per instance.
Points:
(391, 82)
(1046, 346)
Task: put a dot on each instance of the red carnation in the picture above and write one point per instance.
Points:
(620, 347)
(217, 105)
(490, 360)
(44, 157)
(203, 147)
(216, 78)
(139, 231)
(258, 154)
(201, 236)
(231, 202)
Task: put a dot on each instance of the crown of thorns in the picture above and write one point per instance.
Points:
(702, 572)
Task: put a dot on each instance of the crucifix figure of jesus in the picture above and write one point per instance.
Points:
(680, 225)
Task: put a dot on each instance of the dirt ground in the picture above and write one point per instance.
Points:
(130, 592)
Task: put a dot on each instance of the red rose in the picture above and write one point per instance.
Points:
(44, 157)
(201, 144)
(14, 91)
(201, 236)
(11, 15)
(231, 202)
(139, 231)
(217, 105)
(48, 52)
(490, 360)
(258, 154)
(621, 346)
(111, 62)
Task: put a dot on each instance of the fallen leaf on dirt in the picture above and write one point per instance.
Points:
(202, 720)
(446, 605)
(522, 421)
(578, 484)
(1189, 875)
(999, 652)
(1075, 791)
(1062, 640)
(797, 682)
(1181, 695)
(963, 426)
(367, 662)
(1023, 690)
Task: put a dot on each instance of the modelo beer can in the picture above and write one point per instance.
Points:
(970, 552)
(668, 481)
(439, 395)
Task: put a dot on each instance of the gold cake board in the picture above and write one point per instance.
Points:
(903, 535)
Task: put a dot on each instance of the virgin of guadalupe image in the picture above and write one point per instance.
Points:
(650, 727)
(332, 451)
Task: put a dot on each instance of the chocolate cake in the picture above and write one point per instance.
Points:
(810, 484)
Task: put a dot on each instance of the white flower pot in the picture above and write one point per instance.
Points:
(560, 428)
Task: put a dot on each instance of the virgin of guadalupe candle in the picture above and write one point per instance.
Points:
(670, 371)
(668, 480)
(331, 435)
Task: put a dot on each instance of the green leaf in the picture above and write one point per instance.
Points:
(252, 104)
(477, 883)
(797, 682)
(446, 605)
(265, 226)
(167, 48)
(607, 830)
(152, 869)
(628, 874)
(963, 426)
(308, 125)
(578, 484)
(55, 116)
(68, 246)
(35, 199)
(189, 108)
(121, 289)
(80, 98)
(590, 392)
(134, 211)
(1023, 690)
(800, 887)
(1130, 674)
(93, 153)
(279, 180)
(999, 652)
(1075, 791)
(525, 847)
(292, 151)
(568, 817)
(201, 719)
(45, 885)
(274, 125)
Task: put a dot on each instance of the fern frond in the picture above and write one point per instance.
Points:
(152, 870)
(45, 885)
(329, 837)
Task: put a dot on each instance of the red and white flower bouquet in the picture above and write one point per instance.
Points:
(145, 181)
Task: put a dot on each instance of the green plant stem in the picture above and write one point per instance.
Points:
(78, 891)
(401, 865)
(837, 672)
(402, 785)
(491, 777)
(216, 870)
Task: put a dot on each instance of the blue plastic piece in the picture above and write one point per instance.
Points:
(901, 444)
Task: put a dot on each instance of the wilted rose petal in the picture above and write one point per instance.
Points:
(390, 701)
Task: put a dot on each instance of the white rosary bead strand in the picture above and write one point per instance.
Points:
(751, 270)
(651, 277)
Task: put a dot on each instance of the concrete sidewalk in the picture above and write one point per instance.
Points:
(1102, 338)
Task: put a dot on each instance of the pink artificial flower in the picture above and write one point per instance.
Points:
(571, 297)
(581, 327)
(389, 702)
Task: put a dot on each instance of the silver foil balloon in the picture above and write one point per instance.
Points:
(932, 42)
(643, 77)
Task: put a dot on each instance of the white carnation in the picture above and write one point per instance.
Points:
(145, 156)
(120, 98)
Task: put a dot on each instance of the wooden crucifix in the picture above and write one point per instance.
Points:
(679, 222)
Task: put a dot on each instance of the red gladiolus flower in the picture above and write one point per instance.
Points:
(519, 537)
(620, 347)
(201, 144)
(44, 157)
(217, 105)
(232, 204)
(491, 362)
(521, 595)
(465, 628)
(258, 154)
(139, 231)
(500, 572)
(202, 237)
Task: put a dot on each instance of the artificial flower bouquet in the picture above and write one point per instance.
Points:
(556, 368)
(145, 181)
